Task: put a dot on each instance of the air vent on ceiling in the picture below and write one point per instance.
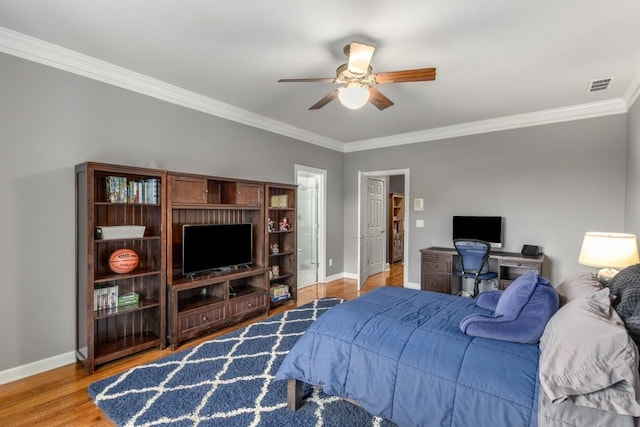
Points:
(599, 84)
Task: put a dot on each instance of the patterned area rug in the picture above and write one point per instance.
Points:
(227, 381)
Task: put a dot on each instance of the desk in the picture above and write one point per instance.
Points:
(437, 270)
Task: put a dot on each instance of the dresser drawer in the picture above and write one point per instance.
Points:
(437, 266)
(520, 264)
(246, 304)
(201, 318)
(436, 283)
(436, 256)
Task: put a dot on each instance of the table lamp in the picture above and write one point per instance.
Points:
(610, 252)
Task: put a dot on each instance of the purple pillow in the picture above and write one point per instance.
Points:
(521, 314)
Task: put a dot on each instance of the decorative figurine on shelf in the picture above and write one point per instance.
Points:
(271, 225)
(284, 225)
(274, 248)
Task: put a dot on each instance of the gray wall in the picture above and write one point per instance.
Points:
(632, 216)
(52, 120)
(551, 183)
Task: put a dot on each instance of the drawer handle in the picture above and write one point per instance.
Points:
(435, 285)
(204, 318)
(249, 304)
(435, 265)
(519, 264)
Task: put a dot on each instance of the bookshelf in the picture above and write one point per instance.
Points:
(119, 314)
(281, 241)
(396, 227)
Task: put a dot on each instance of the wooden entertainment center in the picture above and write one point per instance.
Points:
(173, 308)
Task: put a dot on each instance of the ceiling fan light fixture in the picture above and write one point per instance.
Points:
(354, 96)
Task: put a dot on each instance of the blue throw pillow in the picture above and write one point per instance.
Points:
(521, 313)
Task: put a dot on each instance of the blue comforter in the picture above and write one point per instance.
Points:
(400, 354)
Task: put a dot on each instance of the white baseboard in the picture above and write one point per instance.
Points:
(339, 276)
(412, 285)
(24, 371)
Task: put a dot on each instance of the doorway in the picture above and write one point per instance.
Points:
(311, 197)
(367, 245)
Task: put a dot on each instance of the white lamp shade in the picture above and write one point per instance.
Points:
(617, 250)
(354, 97)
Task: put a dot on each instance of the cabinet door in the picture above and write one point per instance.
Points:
(189, 190)
(242, 193)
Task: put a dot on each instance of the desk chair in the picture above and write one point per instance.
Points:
(473, 261)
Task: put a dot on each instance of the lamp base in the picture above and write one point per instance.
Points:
(605, 275)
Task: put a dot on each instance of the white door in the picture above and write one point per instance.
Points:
(375, 231)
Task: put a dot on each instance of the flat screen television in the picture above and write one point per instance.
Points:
(487, 228)
(211, 247)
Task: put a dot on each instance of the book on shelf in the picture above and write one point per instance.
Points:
(119, 189)
(105, 298)
(130, 298)
(279, 292)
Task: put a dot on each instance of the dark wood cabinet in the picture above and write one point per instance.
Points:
(117, 200)
(112, 200)
(242, 193)
(203, 303)
(436, 270)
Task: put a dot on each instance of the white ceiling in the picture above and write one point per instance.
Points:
(501, 63)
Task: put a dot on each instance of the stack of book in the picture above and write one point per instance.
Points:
(120, 190)
(279, 292)
(108, 298)
(105, 298)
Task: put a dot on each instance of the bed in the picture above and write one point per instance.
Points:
(400, 354)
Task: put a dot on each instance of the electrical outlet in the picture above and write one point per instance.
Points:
(419, 223)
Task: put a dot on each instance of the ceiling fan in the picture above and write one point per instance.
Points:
(359, 80)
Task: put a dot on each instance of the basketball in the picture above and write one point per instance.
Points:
(123, 261)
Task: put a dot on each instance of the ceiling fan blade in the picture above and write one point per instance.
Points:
(360, 55)
(319, 79)
(417, 75)
(378, 99)
(324, 101)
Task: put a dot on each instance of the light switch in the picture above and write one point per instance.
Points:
(420, 223)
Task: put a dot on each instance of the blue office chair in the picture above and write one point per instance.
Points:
(473, 261)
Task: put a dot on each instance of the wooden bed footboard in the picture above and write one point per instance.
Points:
(294, 394)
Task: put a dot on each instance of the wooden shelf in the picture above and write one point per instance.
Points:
(196, 302)
(114, 276)
(112, 350)
(142, 305)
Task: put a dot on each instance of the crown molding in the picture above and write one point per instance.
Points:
(556, 115)
(36, 50)
(32, 49)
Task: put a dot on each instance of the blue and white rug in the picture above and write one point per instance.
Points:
(227, 381)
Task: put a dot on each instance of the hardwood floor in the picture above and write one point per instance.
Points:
(59, 397)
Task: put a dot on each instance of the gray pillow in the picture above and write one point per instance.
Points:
(625, 286)
(577, 286)
(587, 356)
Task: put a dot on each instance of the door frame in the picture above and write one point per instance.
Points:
(322, 216)
(407, 236)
